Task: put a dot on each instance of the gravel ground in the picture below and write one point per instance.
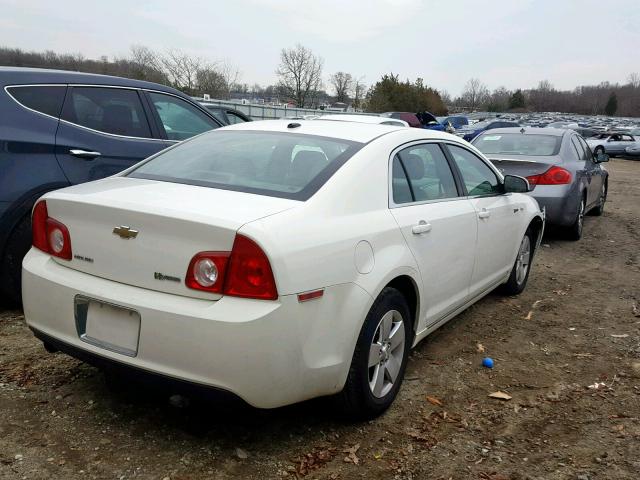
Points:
(576, 326)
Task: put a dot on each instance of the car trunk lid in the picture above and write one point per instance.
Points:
(145, 232)
(523, 166)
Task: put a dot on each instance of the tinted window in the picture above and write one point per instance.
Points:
(109, 110)
(518, 144)
(478, 178)
(47, 100)
(428, 172)
(180, 119)
(269, 163)
(582, 155)
(586, 148)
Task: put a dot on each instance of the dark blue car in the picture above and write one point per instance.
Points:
(62, 128)
(472, 131)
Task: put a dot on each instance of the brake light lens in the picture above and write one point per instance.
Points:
(553, 176)
(243, 272)
(50, 235)
(207, 270)
(249, 274)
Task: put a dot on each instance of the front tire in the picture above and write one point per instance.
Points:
(380, 358)
(522, 266)
(599, 210)
(598, 150)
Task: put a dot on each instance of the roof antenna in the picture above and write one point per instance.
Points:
(293, 125)
(522, 130)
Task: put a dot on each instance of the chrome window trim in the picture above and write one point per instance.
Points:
(394, 152)
(93, 86)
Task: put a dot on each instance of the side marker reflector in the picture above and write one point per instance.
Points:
(305, 297)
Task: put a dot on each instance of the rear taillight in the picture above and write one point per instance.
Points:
(49, 235)
(553, 176)
(207, 270)
(244, 272)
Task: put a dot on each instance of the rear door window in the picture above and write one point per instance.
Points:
(428, 172)
(580, 151)
(179, 118)
(117, 111)
(42, 98)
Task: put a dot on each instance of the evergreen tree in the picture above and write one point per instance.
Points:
(612, 105)
(517, 100)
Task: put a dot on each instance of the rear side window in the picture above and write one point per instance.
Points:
(478, 178)
(580, 151)
(180, 119)
(44, 99)
(428, 173)
(277, 164)
(110, 110)
(233, 118)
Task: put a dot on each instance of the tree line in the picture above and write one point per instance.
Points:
(301, 81)
(605, 98)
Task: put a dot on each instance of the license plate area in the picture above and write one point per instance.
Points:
(107, 326)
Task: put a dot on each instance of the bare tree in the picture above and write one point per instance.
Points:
(634, 80)
(300, 73)
(359, 92)
(475, 94)
(342, 83)
(182, 69)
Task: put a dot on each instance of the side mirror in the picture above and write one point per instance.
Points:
(516, 184)
(601, 157)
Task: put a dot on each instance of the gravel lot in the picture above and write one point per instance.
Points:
(576, 325)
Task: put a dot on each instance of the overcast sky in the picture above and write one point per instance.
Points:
(511, 43)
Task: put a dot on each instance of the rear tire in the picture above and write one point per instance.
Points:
(380, 358)
(574, 232)
(16, 248)
(522, 266)
(598, 150)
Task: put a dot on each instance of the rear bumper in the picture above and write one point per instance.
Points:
(267, 353)
(560, 204)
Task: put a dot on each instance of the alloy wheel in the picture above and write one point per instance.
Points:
(522, 262)
(386, 353)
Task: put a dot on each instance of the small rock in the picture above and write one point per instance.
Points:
(18, 457)
(241, 454)
(583, 476)
(635, 369)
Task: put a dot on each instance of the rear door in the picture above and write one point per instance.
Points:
(103, 130)
(438, 224)
(498, 225)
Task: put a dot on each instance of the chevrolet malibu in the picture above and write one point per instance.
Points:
(278, 260)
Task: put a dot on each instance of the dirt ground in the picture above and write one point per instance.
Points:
(577, 326)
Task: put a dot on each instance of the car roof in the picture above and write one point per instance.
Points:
(28, 76)
(361, 118)
(558, 132)
(352, 131)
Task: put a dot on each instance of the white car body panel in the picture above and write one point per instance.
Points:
(346, 239)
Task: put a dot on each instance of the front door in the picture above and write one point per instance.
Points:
(438, 224)
(495, 211)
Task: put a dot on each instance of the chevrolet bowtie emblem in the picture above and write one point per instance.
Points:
(125, 232)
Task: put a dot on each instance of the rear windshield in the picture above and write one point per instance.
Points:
(285, 165)
(518, 144)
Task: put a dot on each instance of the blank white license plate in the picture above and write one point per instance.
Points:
(111, 327)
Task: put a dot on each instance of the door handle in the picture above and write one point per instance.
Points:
(85, 154)
(484, 213)
(421, 227)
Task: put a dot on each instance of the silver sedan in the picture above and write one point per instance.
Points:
(567, 179)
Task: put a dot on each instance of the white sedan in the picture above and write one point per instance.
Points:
(278, 260)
